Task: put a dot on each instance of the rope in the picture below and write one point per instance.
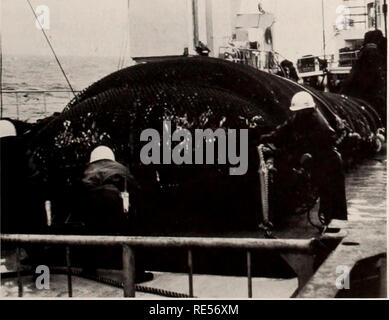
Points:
(263, 174)
(320, 228)
(51, 47)
(266, 225)
(126, 44)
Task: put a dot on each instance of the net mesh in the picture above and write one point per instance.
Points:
(191, 93)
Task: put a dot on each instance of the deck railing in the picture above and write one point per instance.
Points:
(45, 101)
(129, 243)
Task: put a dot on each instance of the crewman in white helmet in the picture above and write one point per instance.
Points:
(106, 183)
(307, 135)
(7, 129)
(105, 207)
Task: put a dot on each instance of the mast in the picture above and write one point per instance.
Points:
(324, 30)
(130, 60)
(195, 22)
(375, 15)
(209, 24)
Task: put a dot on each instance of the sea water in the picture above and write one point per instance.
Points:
(30, 74)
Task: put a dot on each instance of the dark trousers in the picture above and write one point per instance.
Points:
(328, 175)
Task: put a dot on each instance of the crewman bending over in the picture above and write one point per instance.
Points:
(106, 209)
(106, 202)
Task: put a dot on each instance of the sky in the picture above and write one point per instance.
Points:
(77, 28)
(98, 27)
(299, 26)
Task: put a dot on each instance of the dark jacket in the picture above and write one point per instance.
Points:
(101, 205)
(21, 205)
(307, 131)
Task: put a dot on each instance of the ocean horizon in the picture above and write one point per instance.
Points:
(29, 73)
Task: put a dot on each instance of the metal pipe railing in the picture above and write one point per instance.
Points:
(284, 245)
(129, 242)
(37, 91)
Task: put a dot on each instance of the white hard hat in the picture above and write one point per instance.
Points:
(101, 153)
(302, 100)
(7, 129)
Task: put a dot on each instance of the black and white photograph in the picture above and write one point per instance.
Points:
(213, 150)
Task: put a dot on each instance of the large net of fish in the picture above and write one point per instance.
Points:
(192, 93)
(271, 94)
(117, 117)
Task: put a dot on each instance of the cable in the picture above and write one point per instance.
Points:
(1, 78)
(126, 44)
(52, 49)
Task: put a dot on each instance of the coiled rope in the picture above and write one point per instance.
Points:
(264, 179)
(266, 225)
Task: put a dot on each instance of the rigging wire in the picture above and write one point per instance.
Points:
(121, 53)
(126, 44)
(1, 78)
(52, 49)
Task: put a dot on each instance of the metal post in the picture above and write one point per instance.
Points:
(17, 105)
(324, 30)
(69, 273)
(18, 267)
(190, 272)
(249, 279)
(128, 272)
(375, 15)
(44, 104)
(209, 25)
(383, 277)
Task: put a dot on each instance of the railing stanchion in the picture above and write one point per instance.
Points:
(17, 105)
(44, 104)
(249, 280)
(18, 271)
(128, 272)
(190, 272)
(69, 273)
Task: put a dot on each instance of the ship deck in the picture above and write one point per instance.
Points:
(363, 236)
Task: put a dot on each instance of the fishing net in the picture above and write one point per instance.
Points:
(117, 117)
(191, 93)
(270, 93)
(258, 87)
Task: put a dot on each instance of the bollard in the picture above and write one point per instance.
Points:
(249, 279)
(18, 267)
(69, 273)
(128, 272)
(190, 272)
